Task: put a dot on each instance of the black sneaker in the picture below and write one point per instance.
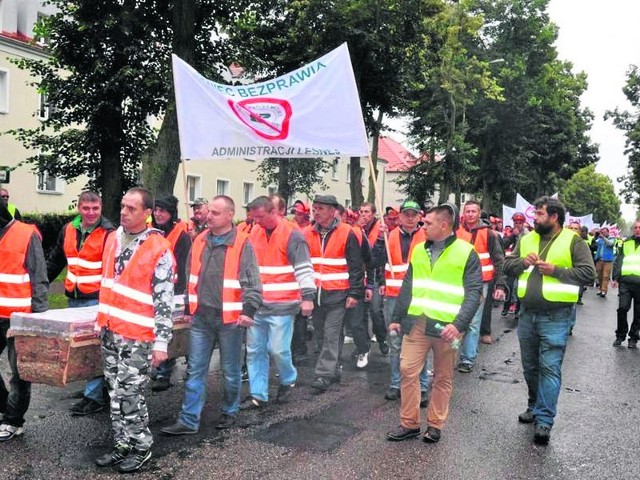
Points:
(135, 461)
(526, 416)
(617, 342)
(542, 434)
(320, 385)
(178, 429)
(432, 435)
(86, 406)
(392, 394)
(403, 433)
(424, 399)
(465, 368)
(252, 403)
(114, 457)
(160, 384)
(226, 421)
(632, 344)
(384, 348)
(284, 393)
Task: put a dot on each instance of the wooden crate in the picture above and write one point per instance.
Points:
(66, 349)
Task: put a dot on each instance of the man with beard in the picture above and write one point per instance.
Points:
(552, 263)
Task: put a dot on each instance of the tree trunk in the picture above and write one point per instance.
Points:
(355, 186)
(160, 163)
(284, 189)
(112, 182)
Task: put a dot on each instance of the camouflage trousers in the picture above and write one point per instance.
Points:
(127, 366)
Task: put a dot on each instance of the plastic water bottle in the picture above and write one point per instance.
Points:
(455, 343)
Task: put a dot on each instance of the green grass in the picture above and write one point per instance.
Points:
(58, 300)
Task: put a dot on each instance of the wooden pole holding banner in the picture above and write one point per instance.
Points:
(379, 208)
(186, 188)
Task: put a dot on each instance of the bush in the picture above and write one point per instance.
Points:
(49, 225)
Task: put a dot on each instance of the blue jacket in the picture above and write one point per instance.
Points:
(605, 249)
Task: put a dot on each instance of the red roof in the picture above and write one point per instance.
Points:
(398, 158)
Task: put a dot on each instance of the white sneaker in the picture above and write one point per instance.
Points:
(363, 360)
(348, 340)
(7, 432)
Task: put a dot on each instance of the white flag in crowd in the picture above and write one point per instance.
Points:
(313, 111)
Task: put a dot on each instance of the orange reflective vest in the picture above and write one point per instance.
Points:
(84, 268)
(400, 267)
(331, 271)
(279, 283)
(175, 232)
(373, 234)
(481, 245)
(15, 282)
(359, 234)
(245, 227)
(126, 304)
(231, 289)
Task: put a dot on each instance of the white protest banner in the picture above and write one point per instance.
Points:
(507, 214)
(525, 207)
(313, 111)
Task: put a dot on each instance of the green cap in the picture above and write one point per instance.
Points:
(409, 205)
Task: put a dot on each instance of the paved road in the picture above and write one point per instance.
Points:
(341, 434)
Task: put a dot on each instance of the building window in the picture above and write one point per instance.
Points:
(247, 193)
(222, 187)
(48, 183)
(4, 91)
(349, 174)
(362, 176)
(43, 107)
(335, 169)
(194, 187)
(347, 203)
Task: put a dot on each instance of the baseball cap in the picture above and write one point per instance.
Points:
(391, 212)
(519, 216)
(300, 207)
(326, 200)
(199, 201)
(409, 205)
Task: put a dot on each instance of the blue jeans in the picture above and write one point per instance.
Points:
(469, 349)
(395, 342)
(543, 340)
(269, 335)
(204, 333)
(94, 387)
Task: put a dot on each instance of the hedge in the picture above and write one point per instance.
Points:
(49, 225)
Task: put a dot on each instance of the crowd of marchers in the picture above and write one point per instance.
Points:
(420, 282)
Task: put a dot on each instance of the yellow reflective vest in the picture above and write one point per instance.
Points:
(553, 290)
(631, 259)
(438, 291)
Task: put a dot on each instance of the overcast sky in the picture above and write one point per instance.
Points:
(603, 40)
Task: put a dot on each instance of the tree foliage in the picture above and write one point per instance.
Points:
(384, 39)
(629, 123)
(590, 192)
(108, 72)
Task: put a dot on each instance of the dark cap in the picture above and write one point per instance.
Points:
(199, 201)
(409, 205)
(326, 200)
(169, 203)
(300, 207)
